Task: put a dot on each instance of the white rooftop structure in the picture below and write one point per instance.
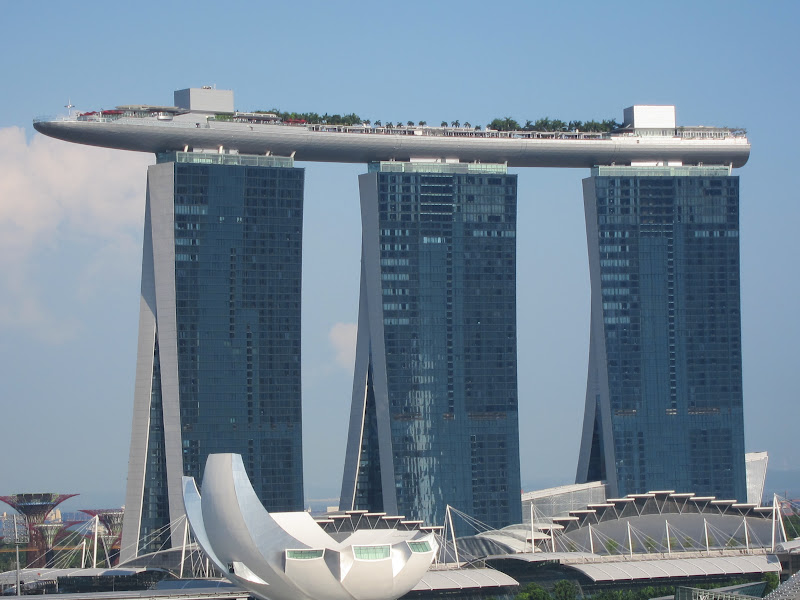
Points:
(205, 100)
(288, 556)
(679, 567)
(558, 501)
(442, 580)
(643, 116)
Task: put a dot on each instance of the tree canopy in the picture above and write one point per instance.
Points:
(498, 124)
(568, 590)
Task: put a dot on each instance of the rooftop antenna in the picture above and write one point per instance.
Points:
(69, 106)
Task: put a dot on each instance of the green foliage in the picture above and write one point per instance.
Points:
(548, 124)
(504, 124)
(612, 546)
(673, 542)
(565, 590)
(792, 526)
(315, 118)
(500, 124)
(533, 591)
(8, 560)
(633, 593)
(772, 580)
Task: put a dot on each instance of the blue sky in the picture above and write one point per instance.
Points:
(71, 217)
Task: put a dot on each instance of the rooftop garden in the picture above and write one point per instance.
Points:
(499, 124)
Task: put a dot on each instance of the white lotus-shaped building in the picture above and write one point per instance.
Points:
(289, 556)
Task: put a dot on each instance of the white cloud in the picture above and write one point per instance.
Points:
(342, 337)
(56, 197)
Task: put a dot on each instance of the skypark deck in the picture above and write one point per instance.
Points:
(163, 129)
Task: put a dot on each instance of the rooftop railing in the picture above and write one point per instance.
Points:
(208, 158)
(437, 167)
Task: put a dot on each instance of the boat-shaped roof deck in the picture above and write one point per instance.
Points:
(167, 128)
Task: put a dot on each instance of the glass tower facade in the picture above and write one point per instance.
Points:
(219, 342)
(664, 392)
(434, 413)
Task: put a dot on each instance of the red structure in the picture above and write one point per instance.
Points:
(111, 518)
(49, 533)
(36, 507)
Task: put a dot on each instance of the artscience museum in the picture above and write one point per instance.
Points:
(289, 555)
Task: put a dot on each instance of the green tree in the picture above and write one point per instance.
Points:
(565, 590)
(772, 580)
(422, 123)
(456, 123)
(444, 124)
(504, 124)
(673, 542)
(592, 126)
(533, 591)
(792, 525)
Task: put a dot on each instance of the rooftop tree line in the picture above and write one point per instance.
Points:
(567, 590)
(547, 124)
(499, 124)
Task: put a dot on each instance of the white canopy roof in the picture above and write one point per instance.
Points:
(460, 579)
(679, 567)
